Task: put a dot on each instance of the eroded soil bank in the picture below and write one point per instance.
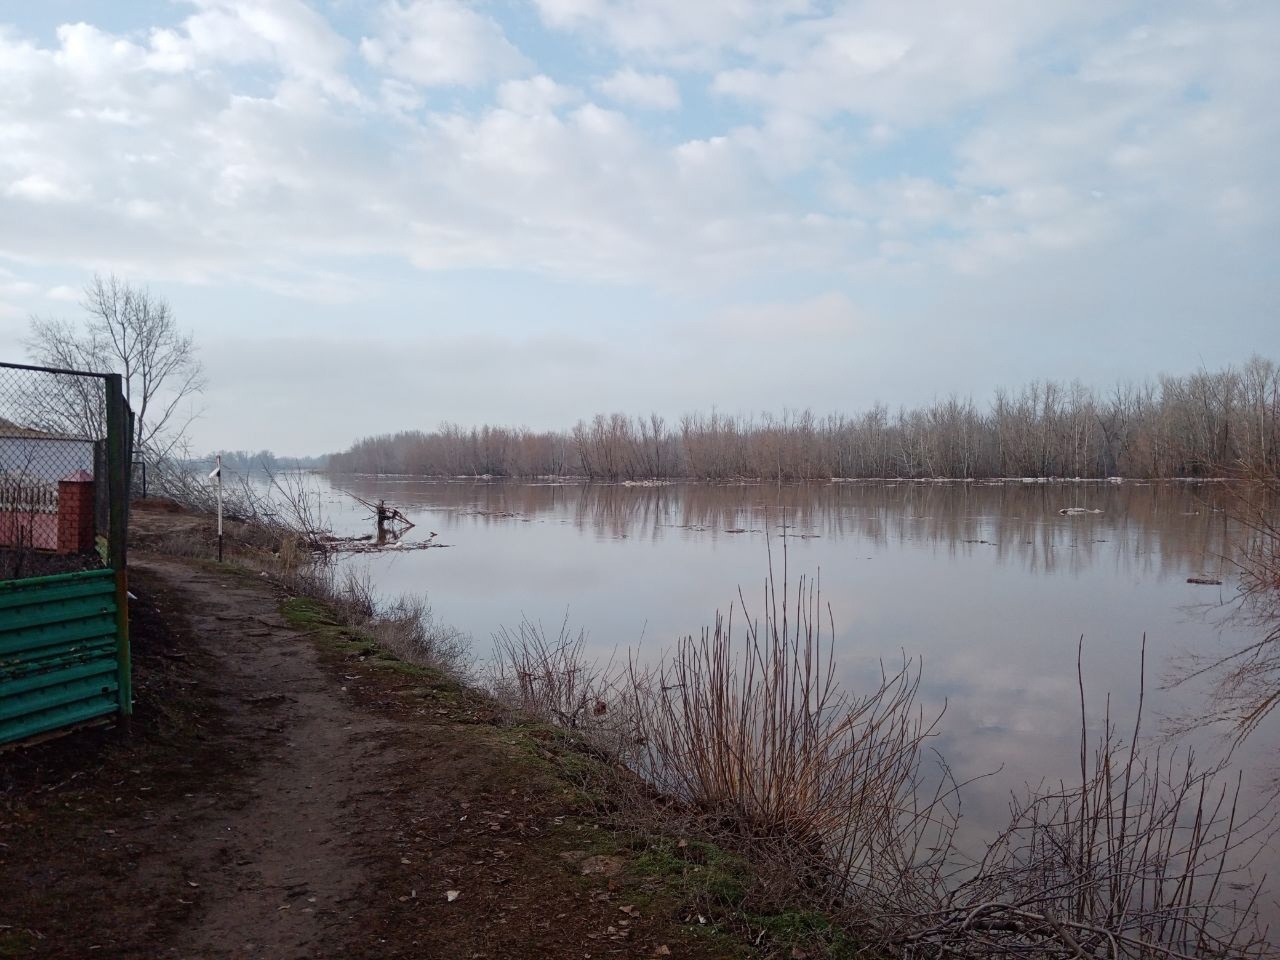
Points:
(288, 791)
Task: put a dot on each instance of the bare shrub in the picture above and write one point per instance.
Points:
(1147, 856)
(757, 738)
(410, 628)
(550, 678)
(753, 743)
(290, 505)
(405, 626)
(1245, 682)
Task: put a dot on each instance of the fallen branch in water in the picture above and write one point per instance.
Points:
(367, 544)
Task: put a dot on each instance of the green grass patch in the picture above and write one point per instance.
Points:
(807, 929)
(305, 612)
(319, 620)
(552, 753)
(698, 871)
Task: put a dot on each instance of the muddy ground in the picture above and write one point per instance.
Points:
(286, 790)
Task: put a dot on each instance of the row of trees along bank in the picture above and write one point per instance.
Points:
(1201, 424)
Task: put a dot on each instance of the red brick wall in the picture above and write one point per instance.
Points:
(75, 516)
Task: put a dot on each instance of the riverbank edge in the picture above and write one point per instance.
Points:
(704, 890)
(699, 886)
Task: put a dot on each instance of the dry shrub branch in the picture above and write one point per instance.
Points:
(1146, 856)
(550, 678)
(1245, 683)
(406, 626)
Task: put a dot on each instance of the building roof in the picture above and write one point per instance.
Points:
(11, 431)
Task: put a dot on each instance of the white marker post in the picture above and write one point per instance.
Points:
(217, 477)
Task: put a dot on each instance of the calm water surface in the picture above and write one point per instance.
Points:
(989, 585)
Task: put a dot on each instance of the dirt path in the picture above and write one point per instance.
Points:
(289, 793)
(276, 873)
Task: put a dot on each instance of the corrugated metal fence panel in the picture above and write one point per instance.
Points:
(57, 652)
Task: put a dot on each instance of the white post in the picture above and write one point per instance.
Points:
(218, 472)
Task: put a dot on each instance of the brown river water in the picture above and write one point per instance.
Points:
(988, 585)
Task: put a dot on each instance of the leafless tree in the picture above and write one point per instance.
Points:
(129, 330)
(1190, 426)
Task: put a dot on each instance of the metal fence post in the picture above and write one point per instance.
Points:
(118, 467)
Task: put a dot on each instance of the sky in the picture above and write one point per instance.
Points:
(377, 216)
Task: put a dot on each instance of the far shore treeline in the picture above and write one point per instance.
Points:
(1201, 424)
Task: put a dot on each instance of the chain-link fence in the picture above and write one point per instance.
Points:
(56, 466)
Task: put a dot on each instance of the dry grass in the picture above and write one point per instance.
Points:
(405, 626)
(544, 677)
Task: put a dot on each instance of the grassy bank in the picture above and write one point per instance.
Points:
(704, 895)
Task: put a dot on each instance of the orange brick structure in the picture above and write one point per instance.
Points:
(76, 513)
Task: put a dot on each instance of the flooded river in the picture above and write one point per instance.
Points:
(991, 586)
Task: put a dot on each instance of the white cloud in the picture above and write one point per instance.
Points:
(39, 188)
(536, 95)
(286, 33)
(654, 91)
(63, 293)
(442, 43)
(208, 182)
(675, 31)
(903, 63)
(92, 55)
(9, 286)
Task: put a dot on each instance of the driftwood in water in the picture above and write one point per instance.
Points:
(368, 544)
(392, 524)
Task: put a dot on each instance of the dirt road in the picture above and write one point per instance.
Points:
(288, 792)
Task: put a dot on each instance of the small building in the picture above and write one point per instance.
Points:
(41, 472)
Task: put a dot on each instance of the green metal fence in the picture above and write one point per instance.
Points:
(59, 652)
(65, 442)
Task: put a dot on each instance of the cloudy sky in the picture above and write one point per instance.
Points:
(379, 215)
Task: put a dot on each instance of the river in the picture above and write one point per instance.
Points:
(989, 586)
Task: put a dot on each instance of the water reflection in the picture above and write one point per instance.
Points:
(1143, 527)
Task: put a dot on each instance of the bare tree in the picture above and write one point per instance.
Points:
(1207, 423)
(131, 331)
